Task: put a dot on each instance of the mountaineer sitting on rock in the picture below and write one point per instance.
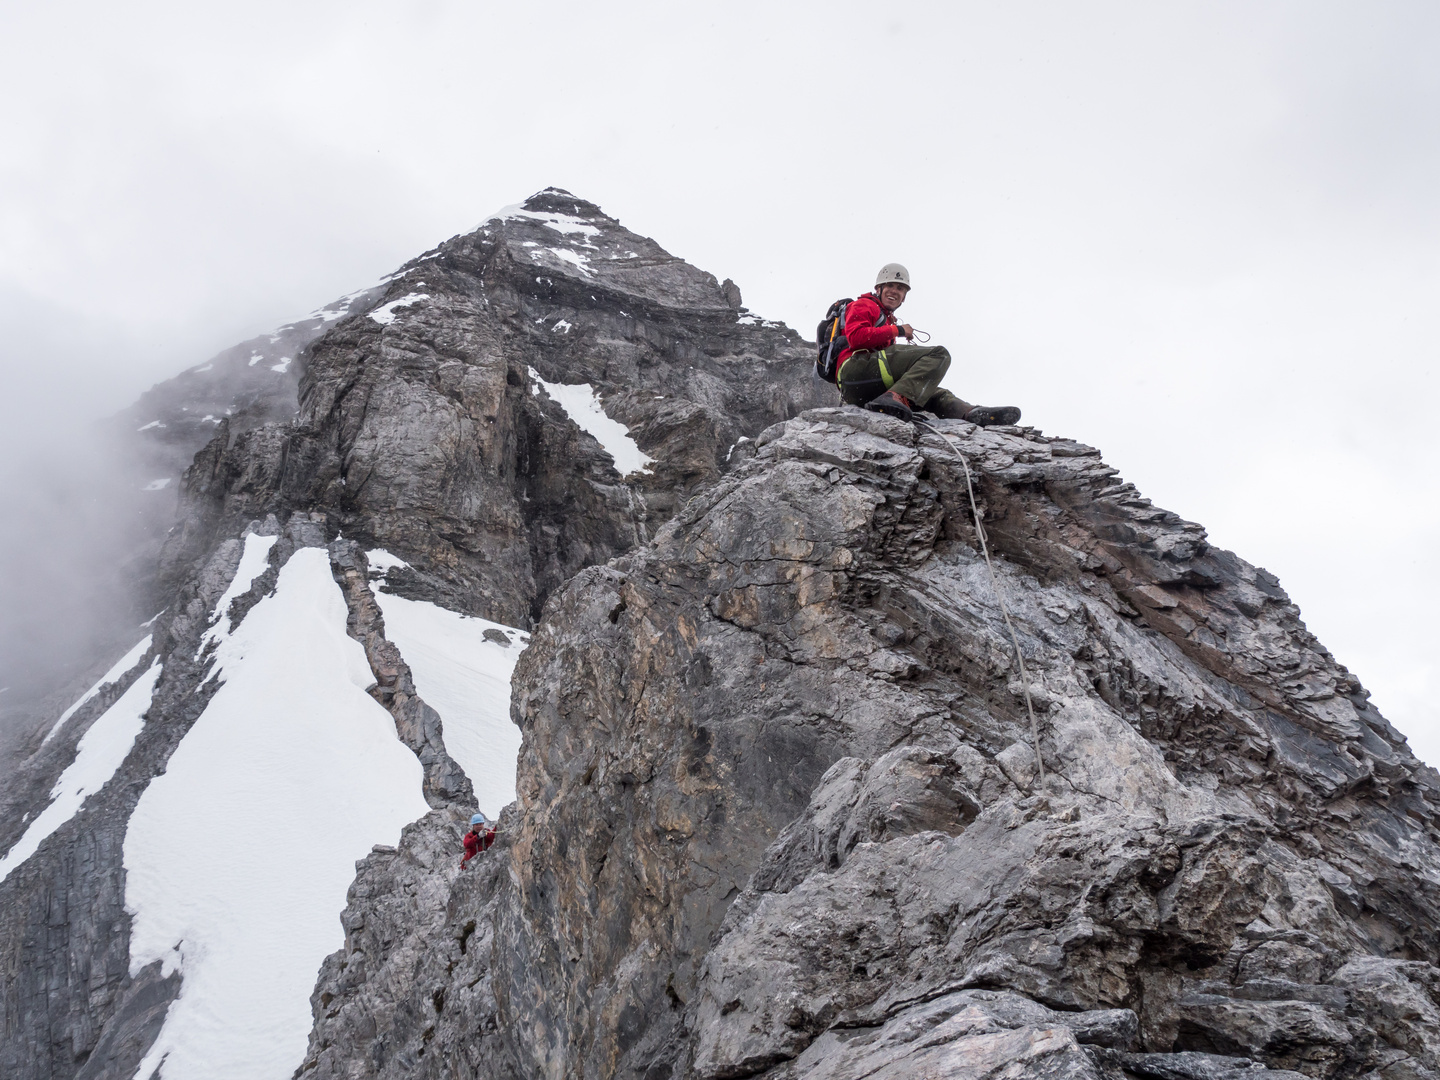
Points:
(875, 372)
(478, 839)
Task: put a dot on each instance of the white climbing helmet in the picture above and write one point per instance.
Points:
(892, 272)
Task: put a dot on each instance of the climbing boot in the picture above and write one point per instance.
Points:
(891, 403)
(989, 415)
(948, 408)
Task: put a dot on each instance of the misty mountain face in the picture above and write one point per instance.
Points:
(557, 531)
(89, 513)
(246, 386)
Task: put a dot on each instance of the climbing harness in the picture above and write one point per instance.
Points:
(999, 596)
(886, 380)
(885, 376)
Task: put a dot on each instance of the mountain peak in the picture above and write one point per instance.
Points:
(552, 525)
(563, 237)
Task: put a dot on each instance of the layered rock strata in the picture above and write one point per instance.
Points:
(425, 422)
(779, 808)
(780, 814)
(424, 425)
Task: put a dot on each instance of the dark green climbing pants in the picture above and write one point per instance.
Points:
(912, 371)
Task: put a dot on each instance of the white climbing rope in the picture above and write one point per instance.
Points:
(999, 596)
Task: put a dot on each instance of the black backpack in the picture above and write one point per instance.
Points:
(830, 339)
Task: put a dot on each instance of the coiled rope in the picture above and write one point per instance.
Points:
(999, 596)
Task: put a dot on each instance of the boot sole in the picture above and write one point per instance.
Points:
(888, 411)
(996, 418)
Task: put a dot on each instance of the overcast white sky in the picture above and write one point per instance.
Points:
(1202, 236)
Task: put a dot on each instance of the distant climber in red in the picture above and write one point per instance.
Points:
(875, 372)
(478, 839)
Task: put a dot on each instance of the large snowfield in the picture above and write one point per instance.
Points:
(465, 677)
(239, 856)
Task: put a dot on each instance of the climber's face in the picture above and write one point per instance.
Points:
(892, 295)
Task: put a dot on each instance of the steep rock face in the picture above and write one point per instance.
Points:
(248, 385)
(779, 808)
(427, 425)
(779, 811)
(424, 425)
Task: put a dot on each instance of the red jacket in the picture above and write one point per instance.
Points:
(861, 331)
(476, 842)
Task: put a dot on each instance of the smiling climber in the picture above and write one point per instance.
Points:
(876, 372)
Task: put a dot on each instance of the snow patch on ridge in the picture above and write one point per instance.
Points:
(121, 667)
(339, 309)
(464, 675)
(582, 404)
(382, 562)
(385, 313)
(101, 751)
(565, 224)
(238, 857)
(253, 561)
(574, 258)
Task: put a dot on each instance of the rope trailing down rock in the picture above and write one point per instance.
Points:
(999, 596)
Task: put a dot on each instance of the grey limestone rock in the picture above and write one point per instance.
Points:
(424, 426)
(777, 788)
(969, 1033)
(413, 416)
(780, 809)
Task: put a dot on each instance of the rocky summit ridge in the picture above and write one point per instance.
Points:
(777, 805)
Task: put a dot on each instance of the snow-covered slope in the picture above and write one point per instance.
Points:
(253, 559)
(462, 667)
(119, 668)
(239, 856)
(98, 754)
